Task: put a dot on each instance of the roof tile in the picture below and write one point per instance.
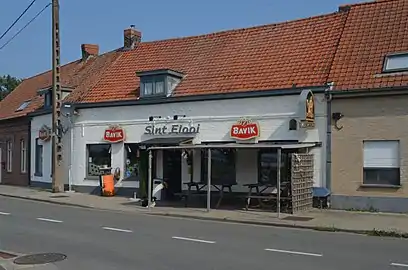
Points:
(259, 58)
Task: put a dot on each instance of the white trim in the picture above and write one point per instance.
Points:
(9, 157)
(23, 156)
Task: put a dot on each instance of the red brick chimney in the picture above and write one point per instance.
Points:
(89, 50)
(132, 37)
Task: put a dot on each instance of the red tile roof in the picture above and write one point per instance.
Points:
(372, 30)
(259, 58)
(80, 75)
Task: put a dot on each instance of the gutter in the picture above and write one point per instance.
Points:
(218, 96)
(398, 90)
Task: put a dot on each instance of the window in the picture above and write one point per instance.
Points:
(148, 89)
(381, 163)
(48, 99)
(9, 156)
(268, 166)
(159, 87)
(99, 156)
(23, 156)
(23, 106)
(38, 158)
(396, 62)
(222, 166)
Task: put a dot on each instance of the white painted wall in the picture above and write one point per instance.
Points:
(36, 123)
(215, 119)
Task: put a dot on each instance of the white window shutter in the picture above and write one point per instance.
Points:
(381, 154)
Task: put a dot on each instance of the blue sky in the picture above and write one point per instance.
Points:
(102, 22)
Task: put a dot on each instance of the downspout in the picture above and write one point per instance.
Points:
(29, 152)
(328, 96)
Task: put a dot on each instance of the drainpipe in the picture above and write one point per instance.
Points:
(328, 134)
(29, 152)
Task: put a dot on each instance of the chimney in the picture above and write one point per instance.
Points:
(132, 37)
(344, 8)
(89, 50)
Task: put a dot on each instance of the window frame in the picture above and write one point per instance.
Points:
(396, 182)
(394, 55)
(153, 80)
(23, 106)
(9, 156)
(38, 166)
(23, 156)
(48, 99)
(88, 145)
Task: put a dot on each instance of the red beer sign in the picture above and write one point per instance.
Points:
(245, 129)
(114, 134)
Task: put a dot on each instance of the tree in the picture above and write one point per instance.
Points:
(8, 84)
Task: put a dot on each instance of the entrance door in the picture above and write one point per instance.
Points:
(172, 172)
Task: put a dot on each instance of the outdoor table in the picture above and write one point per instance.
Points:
(199, 186)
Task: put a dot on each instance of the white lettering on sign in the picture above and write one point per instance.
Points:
(244, 131)
(114, 134)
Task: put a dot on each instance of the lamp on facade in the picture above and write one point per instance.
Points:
(177, 116)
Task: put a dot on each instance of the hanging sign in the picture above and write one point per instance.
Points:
(245, 129)
(114, 134)
(172, 129)
(44, 133)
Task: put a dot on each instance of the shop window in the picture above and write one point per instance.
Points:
(9, 156)
(381, 163)
(23, 156)
(222, 166)
(99, 156)
(268, 166)
(38, 158)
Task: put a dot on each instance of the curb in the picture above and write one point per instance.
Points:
(48, 201)
(267, 224)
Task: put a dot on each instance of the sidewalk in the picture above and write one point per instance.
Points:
(328, 220)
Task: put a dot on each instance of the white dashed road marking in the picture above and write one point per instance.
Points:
(4, 214)
(193, 240)
(399, 264)
(50, 220)
(116, 229)
(294, 252)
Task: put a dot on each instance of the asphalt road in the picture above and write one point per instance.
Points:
(94, 239)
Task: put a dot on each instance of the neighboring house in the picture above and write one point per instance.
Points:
(32, 95)
(197, 90)
(370, 109)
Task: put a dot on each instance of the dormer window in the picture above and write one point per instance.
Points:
(396, 62)
(23, 105)
(158, 83)
(47, 94)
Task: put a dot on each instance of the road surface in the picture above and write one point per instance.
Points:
(94, 239)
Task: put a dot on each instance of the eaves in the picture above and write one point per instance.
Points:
(206, 97)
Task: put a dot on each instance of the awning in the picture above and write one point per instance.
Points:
(237, 146)
(168, 142)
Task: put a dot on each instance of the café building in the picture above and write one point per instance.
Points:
(119, 138)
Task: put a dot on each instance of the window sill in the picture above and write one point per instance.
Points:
(380, 186)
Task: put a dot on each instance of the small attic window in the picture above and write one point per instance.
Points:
(396, 62)
(158, 83)
(23, 105)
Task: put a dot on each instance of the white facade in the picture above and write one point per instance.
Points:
(215, 118)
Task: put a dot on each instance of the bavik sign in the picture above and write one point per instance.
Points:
(114, 134)
(44, 133)
(245, 129)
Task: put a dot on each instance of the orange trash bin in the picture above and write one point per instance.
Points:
(108, 185)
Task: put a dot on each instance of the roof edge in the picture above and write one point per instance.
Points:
(367, 92)
(203, 97)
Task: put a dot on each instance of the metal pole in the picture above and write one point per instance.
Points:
(57, 156)
(149, 180)
(279, 157)
(71, 155)
(209, 180)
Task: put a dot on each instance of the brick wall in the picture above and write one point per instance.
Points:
(15, 130)
(373, 118)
